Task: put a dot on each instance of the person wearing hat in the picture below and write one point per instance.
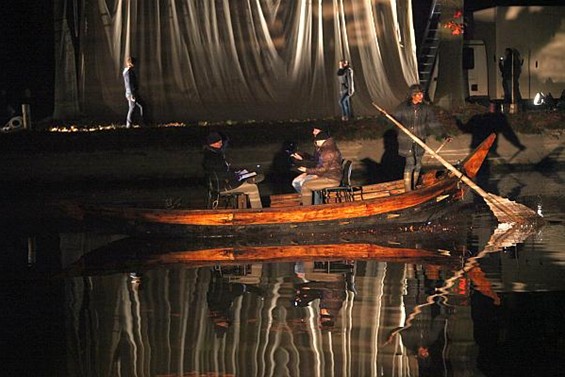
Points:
(214, 163)
(419, 119)
(327, 171)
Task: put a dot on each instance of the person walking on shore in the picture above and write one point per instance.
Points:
(132, 91)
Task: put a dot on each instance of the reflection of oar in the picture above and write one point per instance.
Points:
(506, 211)
(503, 236)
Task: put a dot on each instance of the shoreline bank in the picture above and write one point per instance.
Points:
(162, 162)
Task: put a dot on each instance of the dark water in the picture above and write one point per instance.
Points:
(469, 309)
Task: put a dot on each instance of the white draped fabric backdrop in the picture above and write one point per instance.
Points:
(217, 60)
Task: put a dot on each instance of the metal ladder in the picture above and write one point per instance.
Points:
(429, 47)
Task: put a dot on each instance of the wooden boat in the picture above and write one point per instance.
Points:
(382, 206)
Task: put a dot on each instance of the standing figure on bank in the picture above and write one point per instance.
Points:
(346, 89)
(215, 164)
(510, 66)
(326, 173)
(419, 119)
(132, 90)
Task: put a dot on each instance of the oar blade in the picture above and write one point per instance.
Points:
(506, 211)
(510, 212)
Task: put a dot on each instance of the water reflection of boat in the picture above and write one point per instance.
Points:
(190, 321)
(384, 205)
(135, 254)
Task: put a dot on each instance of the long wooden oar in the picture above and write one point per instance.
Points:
(428, 157)
(506, 211)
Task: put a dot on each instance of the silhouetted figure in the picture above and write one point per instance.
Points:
(423, 338)
(510, 66)
(281, 173)
(392, 163)
(487, 325)
(305, 159)
(481, 126)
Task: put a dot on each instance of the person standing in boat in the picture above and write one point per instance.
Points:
(326, 173)
(214, 163)
(418, 117)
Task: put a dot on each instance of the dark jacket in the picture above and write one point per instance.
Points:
(345, 77)
(328, 159)
(418, 119)
(215, 164)
(511, 66)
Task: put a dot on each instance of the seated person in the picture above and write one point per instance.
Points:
(229, 179)
(303, 158)
(326, 173)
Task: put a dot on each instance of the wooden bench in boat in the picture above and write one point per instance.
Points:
(285, 200)
(378, 190)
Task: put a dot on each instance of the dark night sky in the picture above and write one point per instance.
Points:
(27, 56)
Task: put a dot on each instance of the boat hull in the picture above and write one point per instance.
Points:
(437, 197)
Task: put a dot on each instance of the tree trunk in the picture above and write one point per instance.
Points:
(450, 90)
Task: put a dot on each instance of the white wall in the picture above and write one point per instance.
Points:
(538, 33)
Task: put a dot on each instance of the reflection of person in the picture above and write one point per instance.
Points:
(331, 295)
(419, 119)
(423, 339)
(510, 66)
(346, 89)
(214, 162)
(220, 298)
(326, 173)
(132, 90)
